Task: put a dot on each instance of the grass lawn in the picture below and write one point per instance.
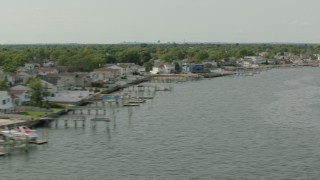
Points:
(35, 114)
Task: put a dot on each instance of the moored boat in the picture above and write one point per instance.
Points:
(21, 132)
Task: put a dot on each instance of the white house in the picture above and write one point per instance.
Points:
(157, 69)
(254, 59)
(168, 68)
(128, 68)
(31, 66)
(19, 96)
(6, 104)
(48, 64)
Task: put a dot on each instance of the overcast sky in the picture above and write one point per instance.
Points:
(115, 21)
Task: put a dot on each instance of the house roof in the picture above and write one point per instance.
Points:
(16, 92)
(20, 87)
(47, 69)
(125, 65)
(106, 69)
(51, 80)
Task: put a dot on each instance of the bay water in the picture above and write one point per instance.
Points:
(264, 126)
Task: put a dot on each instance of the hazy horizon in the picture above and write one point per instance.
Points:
(147, 21)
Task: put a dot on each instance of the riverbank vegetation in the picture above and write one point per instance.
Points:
(78, 57)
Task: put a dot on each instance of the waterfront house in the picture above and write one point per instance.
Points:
(19, 96)
(163, 68)
(169, 68)
(196, 68)
(128, 68)
(74, 80)
(255, 59)
(157, 69)
(6, 104)
(243, 63)
(209, 64)
(105, 74)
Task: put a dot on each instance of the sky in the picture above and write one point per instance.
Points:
(116, 21)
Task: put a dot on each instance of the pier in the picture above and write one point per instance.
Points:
(77, 120)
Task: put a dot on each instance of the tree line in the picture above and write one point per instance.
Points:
(79, 57)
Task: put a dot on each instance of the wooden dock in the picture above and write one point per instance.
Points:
(101, 119)
(131, 104)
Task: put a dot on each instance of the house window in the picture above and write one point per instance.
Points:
(3, 101)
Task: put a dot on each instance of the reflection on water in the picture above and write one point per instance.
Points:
(264, 126)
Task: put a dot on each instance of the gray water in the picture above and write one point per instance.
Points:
(264, 126)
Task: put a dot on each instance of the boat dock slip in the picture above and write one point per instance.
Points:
(101, 119)
(76, 119)
(86, 108)
(98, 119)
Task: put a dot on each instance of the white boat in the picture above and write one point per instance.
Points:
(20, 133)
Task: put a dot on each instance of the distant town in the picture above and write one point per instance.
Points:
(33, 75)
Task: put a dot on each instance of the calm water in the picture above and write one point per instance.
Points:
(264, 126)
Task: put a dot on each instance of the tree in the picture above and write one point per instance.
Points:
(148, 65)
(38, 92)
(3, 85)
(177, 67)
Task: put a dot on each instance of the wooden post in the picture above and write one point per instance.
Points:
(83, 123)
(26, 147)
(89, 111)
(56, 123)
(66, 123)
(75, 123)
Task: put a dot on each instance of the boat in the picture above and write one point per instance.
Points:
(20, 133)
(136, 101)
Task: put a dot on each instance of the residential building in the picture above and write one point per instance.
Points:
(157, 69)
(105, 74)
(128, 68)
(6, 104)
(19, 96)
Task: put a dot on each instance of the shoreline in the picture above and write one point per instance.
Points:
(13, 120)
